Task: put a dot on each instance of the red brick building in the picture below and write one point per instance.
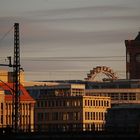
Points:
(133, 58)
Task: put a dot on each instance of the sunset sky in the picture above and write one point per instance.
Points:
(65, 39)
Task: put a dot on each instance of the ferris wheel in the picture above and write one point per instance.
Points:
(101, 73)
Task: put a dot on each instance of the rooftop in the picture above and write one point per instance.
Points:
(138, 37)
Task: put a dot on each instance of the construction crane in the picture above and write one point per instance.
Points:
(16, 80)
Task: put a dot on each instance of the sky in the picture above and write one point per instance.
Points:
(65, 39)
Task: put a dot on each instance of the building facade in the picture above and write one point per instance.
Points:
(56, 90)
(123, 119)
(120, 91)
(71, 113)
(6, 108)
(7, 77)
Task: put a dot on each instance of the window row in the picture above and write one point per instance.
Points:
(97, 103)
(56, 103)
(117, 96)
(94, 115)
(23, 106)
(93, 126)
(24, 119)
(58, 116)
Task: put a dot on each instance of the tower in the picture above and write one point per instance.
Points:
(16, 79)
(133, 58)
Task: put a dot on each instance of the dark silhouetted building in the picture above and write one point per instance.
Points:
(133, 58)
(123, 119)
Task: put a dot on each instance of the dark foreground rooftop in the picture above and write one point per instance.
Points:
(69, 135)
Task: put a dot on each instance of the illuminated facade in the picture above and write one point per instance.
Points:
(6, 108)
(7, 76)
(120, 91)
(2, 112)
(71, 113)
(64, 107)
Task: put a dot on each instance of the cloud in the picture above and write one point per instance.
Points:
(71, 25)
(77, 30)
(85, 25)
(87, 12)
(80, 10)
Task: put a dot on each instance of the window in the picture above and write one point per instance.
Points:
(93, 115)
(76, 115)
(45, 103)
(30, 106)
(70, 115)
(1, 106)
(107, 102)
(114, 96)
(38, 103)
(68, 103)
(64, 116)
(99, 103)
(10, 106)
(40, 116)
(123, 96)
(56, 103)
(88, 102)
(1, 119)
(93, 102)
(7, 92)
(64, 103)
(53, 103)
(55, 116)
(102, 103)
(86, 115)
(132, 96)
(46, 116)
(85, 102)
(96, 115)
(78, 103)
(96, 103)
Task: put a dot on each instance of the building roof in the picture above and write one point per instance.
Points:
(127, 106)
(34, 83)
(138, 37)
(8, 88)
